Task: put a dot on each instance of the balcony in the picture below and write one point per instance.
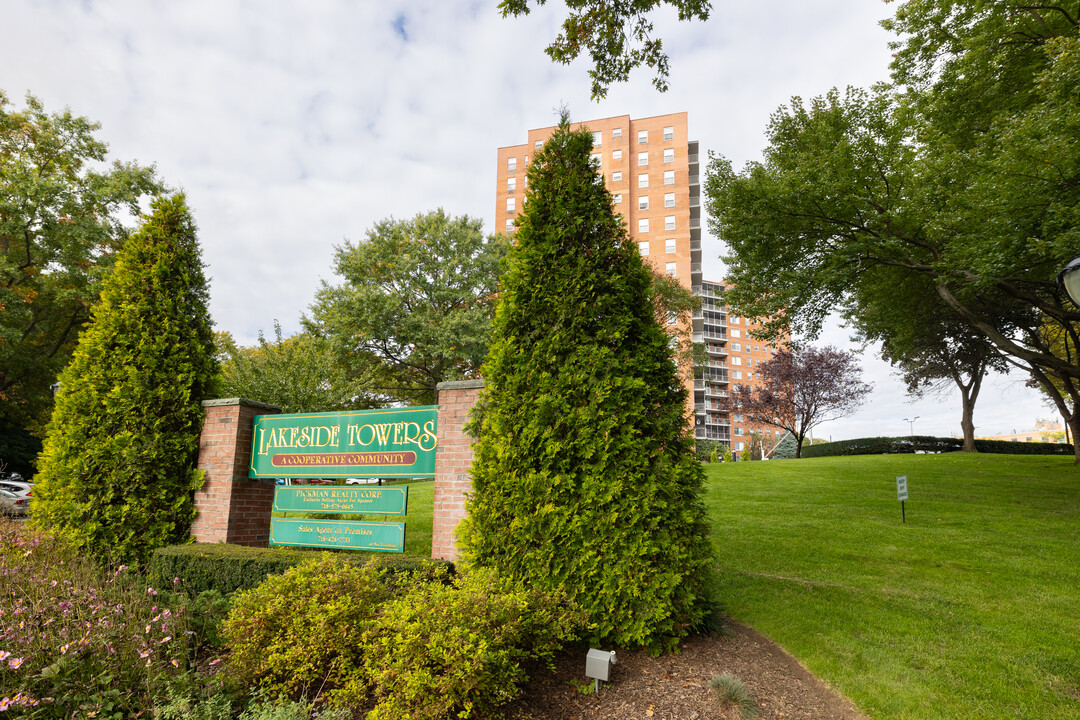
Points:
(715, 335)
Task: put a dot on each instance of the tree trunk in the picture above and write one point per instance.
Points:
(1074, 424)
(967, 422)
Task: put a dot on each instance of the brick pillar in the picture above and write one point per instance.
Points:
(231, 507)
(452, 462)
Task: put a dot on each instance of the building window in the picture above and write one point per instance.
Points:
(643, 247)
(511, 184)
(669, 199)
(671, 269)
(669, 155)
(616, 177)
(509, 205)
(643, 180)
(671, 318)
(669, 222)
(643, 158)
(617, 132)
(643, 137)
(511, 164)
(736, 360)
(669, 177)
(509, 225)
(735, 333)
(669, 246)
(736, 374)
(538, 144)
(669, 133)
(617, 198)
(643, 225)
(643, 202)
(736, 347)
(737, 417)
(616, 155)
(594, 160)
(597, 138)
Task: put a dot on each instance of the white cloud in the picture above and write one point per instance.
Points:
(294, 125)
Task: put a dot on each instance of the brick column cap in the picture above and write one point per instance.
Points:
(459, 385)
(227, 402)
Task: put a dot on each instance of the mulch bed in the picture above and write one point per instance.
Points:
(676, 687)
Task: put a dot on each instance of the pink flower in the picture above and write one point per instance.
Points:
(146, 630)
(176, 581)
(214, 662)
(166, 639)
(144, 653)
(4, 655)
(14, 663)
(175, 664)
(151, 591)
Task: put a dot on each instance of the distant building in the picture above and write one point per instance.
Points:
(651, 169)
(1045, 431)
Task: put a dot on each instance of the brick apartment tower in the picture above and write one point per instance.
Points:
(651, 169)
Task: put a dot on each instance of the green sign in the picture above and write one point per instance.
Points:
(342, 499)
(347, 534)
(397, 442)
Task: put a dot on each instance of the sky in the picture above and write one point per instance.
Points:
(293, 127)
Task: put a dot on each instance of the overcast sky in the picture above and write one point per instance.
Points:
(295, 125)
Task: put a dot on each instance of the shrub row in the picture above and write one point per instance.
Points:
(929, 444)
(419, 645)
(227, 568)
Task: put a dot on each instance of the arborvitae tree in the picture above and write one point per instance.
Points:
(584, 476)
(118, 470)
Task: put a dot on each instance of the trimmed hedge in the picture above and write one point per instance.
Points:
(227, 568)
(929, 444)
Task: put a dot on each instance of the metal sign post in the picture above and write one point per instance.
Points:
(901, 495)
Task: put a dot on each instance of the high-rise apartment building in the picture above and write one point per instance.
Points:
(651, 169)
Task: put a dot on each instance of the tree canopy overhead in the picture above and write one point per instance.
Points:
(584, 477)
(964, 173)
(419, 296)
(63, 216)
(617, 35)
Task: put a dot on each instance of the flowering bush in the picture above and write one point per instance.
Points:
(79, 641)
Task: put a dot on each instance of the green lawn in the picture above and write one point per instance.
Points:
(970, 610)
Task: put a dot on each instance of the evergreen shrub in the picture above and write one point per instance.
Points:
(584, 475)
(441, 650)
(118, 472)
(304, 628)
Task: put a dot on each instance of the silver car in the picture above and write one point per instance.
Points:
(12, 504)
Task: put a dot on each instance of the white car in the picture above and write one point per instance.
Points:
(12, 504)
(19, 487)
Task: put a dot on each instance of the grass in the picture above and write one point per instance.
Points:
(969, 610)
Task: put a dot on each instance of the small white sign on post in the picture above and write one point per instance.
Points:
(901, 487)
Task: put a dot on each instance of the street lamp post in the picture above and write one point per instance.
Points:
(1069, 279)
(911, 425)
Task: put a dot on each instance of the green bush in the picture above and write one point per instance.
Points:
(304, 628)
(455, 650)
(118, 471)
(80, 641)
(584, 477)
(930, 444)
(227, 568)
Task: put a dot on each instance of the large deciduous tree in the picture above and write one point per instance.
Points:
(118, 471)
(299, 374)
(62, 219)
(617, 35)
(933, 348)
(964, 173)
(417, 294)
(584, 476)
(801, 388)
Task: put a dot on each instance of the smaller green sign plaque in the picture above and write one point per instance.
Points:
(342, 499)
(351, 534)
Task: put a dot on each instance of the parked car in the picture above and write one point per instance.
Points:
(19, 487)
(12, 504)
